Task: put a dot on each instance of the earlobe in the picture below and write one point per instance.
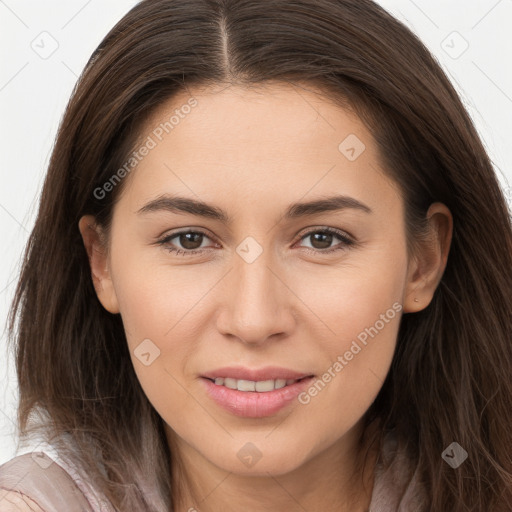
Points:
(429, 262)
(96, 248)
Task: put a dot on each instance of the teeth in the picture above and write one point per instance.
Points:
(246, 385)
(279, 383)
(265, 385)
(250, 385)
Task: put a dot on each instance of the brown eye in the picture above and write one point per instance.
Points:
(322, 240)
(185, 242)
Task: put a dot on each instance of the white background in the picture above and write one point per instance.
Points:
(34, 92)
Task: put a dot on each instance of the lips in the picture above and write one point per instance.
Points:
(255, 393)
(255, 404)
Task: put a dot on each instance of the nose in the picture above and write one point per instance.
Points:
(258, 302)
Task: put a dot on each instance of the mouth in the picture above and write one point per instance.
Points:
(255, 398)
(260, 386)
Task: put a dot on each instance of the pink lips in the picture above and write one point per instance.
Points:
(254, 404)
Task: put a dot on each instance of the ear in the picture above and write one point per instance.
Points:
(96, 247)
(428, 264)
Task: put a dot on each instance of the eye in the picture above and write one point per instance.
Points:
(191, 242)
(321, 240)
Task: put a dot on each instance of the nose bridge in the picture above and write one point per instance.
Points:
(257, 304)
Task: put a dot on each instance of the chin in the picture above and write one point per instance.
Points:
(251, 458)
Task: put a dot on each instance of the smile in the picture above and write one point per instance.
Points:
(254, 399)
(260, 386)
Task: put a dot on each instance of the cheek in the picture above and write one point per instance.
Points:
(159, 307)
(155, 297)
(360, 310)
(358, 361)
(348, 298)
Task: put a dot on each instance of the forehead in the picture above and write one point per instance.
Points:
(261, 110)
(267, 141)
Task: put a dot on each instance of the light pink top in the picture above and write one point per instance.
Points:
(55, 485)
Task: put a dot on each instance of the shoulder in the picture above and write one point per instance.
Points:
(35, 482)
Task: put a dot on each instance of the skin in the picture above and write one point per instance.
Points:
(253, 152)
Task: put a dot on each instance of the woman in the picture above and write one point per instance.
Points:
(271, 270)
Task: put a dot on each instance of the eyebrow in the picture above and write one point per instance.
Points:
(178, 204)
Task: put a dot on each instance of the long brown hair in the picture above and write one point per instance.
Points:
(450, 377)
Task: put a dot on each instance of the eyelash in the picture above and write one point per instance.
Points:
(346, 241)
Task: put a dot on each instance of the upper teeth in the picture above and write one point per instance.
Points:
(251, 385)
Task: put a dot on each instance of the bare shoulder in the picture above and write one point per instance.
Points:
(15, 501)
(35, 482)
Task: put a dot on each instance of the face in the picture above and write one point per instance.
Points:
(255, 280)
